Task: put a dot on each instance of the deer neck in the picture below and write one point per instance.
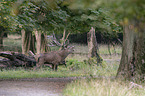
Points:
(63, 54)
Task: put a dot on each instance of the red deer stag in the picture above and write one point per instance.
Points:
(56, 57)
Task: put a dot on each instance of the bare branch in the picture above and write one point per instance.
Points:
(63, 44)
(66, 39)
(31, 53)
(55, 40)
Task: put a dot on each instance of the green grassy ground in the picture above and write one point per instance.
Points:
(74, 68)
(102, 87)
(12, 43)
(19, 74)
(103, 48)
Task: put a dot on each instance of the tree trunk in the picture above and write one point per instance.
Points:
(1, 41)
(44, 46)
(38, 41)
(28, 42)
(93, 46)
(41, 42)
(132, 65)
(1, 37)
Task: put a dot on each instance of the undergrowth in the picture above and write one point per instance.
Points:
(74, 68)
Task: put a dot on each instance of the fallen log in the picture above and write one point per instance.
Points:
(15, 59)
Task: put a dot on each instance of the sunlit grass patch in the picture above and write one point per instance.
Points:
(18, 74)
(74, 68)
(12, 43)
(81, 52)
(101, 87)
(103, 48)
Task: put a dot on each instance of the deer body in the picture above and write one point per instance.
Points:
(55, 57)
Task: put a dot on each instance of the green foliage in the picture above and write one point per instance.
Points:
(42, 15)
(7, 19)
(130, 9)
(92, 68)
(73, 64)
(25, 15)
(57, 15)
(91, 61)
(120, 9)
(82, 19)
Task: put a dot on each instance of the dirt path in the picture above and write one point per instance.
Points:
(34, 87)
(37, 86)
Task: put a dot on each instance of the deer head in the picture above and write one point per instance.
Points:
(70, 49)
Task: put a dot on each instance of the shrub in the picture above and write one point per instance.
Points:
(73, 64)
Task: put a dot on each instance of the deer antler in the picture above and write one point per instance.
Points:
(63, 44)
(55, 40)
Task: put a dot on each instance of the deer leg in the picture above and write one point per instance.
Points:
(64, 63)
(40, 63)
(54, 67)
(37, 66)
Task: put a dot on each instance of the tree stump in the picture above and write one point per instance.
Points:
(93, 46)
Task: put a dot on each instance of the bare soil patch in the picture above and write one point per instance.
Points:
(34, 87)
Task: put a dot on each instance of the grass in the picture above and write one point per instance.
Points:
(74, 68)
(19, 74)
(103, 48)
(82, 52)
(12, 43)
(102, 87)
